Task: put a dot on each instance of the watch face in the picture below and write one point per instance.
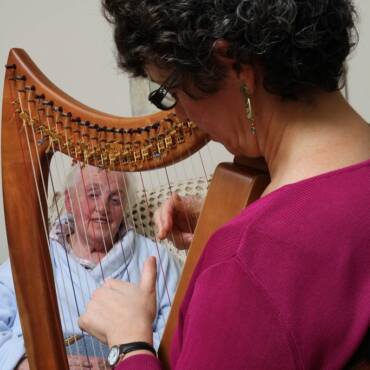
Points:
(113, 355)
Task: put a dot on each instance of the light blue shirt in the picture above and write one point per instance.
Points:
(75, 283)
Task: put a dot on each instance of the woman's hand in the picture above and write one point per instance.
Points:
(75, 363)
(121, 312)
(176, 219)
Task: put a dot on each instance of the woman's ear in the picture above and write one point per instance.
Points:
(221, 50)
(244, 72)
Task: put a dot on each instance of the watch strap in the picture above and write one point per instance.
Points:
(135, 346)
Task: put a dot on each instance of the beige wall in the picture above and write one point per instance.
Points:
(359, 64)
(72, 44)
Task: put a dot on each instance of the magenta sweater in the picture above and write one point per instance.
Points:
(285, 285)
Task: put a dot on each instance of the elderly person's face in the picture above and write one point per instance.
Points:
(96, 202)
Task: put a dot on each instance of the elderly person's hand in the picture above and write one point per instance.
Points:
(120, 312)
(75, 363)
(176, 219)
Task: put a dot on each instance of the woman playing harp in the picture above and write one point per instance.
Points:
(89, 243)
(286, 283)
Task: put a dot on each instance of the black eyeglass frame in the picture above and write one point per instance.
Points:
(156, 96)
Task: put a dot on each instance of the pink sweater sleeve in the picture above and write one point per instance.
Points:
(228, 322)
(140, 362)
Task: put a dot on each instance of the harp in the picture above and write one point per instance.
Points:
(38, 120)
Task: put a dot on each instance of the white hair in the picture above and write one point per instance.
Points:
(127, 182)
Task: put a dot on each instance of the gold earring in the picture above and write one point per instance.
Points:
(248, 108)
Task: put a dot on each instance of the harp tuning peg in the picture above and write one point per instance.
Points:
(20, 78)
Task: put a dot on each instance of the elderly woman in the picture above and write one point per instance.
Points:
(88, 245)
(285, 284)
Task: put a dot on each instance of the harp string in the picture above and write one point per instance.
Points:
(29, 112)
(85, 194)
(123, 208)
(82, 296)
(107, 255)
(156, 245)
(125, 218)
(123, 222)
(186, 216)
(95, 350)
(191, 158)
(68, 189)
(203, 167)
(77, 197)
(148, 235)
(127, 180)
(154, 234)
(24, 116)
(82, 288)
(147, 201)
(48, 118)
(38, 110)
(93, 229)
(171, 193)
(71, 279)
(25, 123)
(169, 187)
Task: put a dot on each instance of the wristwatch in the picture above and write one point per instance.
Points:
(117, 352)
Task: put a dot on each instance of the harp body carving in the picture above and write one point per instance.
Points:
(39, 119)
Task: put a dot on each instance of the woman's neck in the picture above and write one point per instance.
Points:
(304, 139)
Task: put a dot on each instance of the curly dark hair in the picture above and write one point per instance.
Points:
(300, 44)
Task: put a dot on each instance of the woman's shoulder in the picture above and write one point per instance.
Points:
(312, 217)
(313, 206)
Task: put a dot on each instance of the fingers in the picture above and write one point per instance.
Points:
(83, 322)
(164, 216)
(176, 219)
(163, 219)
(181, 240)
(149, 275)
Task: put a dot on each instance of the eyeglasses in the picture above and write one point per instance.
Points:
(161, 97)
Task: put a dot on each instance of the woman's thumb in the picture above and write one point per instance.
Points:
(149, 275)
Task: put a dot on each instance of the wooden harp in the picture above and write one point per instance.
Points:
(38, 117)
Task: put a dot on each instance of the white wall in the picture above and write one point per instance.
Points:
(72, 44)
(359, 64)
